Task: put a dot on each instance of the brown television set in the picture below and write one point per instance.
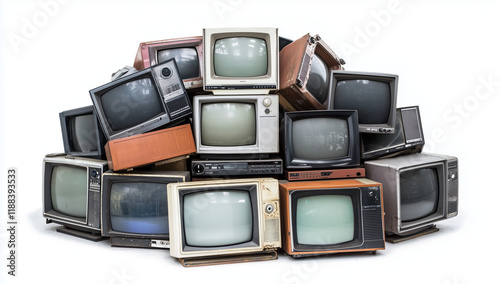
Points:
(304, 67)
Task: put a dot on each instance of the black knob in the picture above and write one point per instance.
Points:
(166, 72)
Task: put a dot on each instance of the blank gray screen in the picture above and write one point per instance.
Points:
(419, 193)
(320, 138)
(228, 124)
(240, 57)
(372, 99)
(217, 218)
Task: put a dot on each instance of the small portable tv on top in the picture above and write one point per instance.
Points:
(146, 100)
(134, 207)
(332, 216)
(187, 52)
(321, 139)
(419, 190)
(373, 95)
(72, 194)
(305, 66)
(241, 60)
(407, 138)
(224, 221)
(81, 133)
(236, 125)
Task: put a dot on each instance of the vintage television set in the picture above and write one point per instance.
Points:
(419, 190)
(134, 207)
(373, 95)
(224, 221)
(408, 137)
(146, 100)
(305, 66)
(187, 52)
(72, 194)
(82, 135)
(331, 216)
(320, 139)
(236, 125)
(240, 60)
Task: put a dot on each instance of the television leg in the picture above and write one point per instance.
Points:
(394, 239)
(84, 235)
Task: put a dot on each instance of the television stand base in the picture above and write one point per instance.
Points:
(394, 239)
(84, 235)
(214, 260)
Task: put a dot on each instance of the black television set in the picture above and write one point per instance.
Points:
(419, 190)
(408, 137)
(144, 101)
(72, 194)
(320, 139)
(373, 95)
(82, 135)
(134, 207)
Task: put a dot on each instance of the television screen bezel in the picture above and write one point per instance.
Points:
(353, 192)
(441, 203)
(110, 177)
(221, 85)
(147, 56)
(391, 79)
(64, 116)
(351, 160)
(83, 224)
(271, 129)
(255, 201)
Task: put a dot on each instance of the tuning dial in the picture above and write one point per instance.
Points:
(198, 169)
(267, 102)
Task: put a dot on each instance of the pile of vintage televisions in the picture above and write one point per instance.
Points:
(229, 146)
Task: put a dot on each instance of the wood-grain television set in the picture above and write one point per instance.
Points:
(332, 216)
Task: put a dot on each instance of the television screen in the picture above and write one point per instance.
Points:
(372, 99)
(228, 124)
(83, 131)
(320, 139)
(129, 104)
(240, 57)
(373, 95)
(318, 83)
(69, 190)
(419, 193)
(325, 220)
(323, 138)
(139, 207)
(186, 58)
(226, 219)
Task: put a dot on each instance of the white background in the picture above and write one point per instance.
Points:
(446, 54)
